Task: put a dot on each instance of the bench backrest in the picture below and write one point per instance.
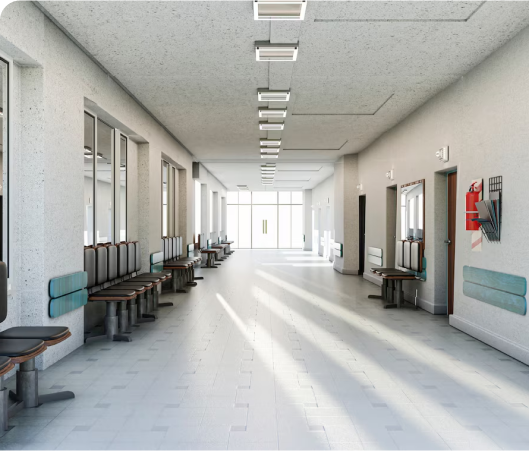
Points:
(209, 244)
(191, 250)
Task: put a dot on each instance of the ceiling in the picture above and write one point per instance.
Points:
(362, 67)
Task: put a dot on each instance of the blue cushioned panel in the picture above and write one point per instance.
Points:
(156, 257)
(60, 286)
(64, 304)
(497, 280)
(507, 301)
(157, 267)
(190, 250)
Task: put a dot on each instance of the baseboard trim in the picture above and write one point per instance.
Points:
(430, 307)
(344, 271)
(502, 344)
(372, 278)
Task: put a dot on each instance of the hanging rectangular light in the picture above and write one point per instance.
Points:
(265, 51)
(269, 149)
(265, 95)
(265, 126)
(269, 155)
(270, 142)
(279, 10)
(272, 112)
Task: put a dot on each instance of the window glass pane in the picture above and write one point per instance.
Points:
(233, 197)
(198, 209)
(89, 130)
(297, 227)
(123, 189)
(245, 226)
(245, 197)
(104, 183)
(411, 219)
(297, 197)
(233, 225)
(285, 231)
(165, 177)
(210, 214)
(264, 197)
(419, 213)
(4, 78)
(284, 197)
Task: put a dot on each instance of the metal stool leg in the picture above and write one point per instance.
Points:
(111, 324)
(123, 318)
(133, 313)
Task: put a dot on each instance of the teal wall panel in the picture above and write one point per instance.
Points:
(64, 304)
(157, 268)
(507, 301)
(497, 280)
(61, 286)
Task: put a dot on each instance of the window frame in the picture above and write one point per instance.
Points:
(6, 219)
(115, 179)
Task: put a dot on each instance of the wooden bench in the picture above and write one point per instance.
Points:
(396, 276)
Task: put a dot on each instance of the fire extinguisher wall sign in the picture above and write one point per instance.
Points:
(474, 194)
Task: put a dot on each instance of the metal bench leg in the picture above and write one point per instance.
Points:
(4, 407)
(143, 316)
(383, 291)
(123, 318)
(191, 277)
(156, 295)
(133, 313)
(27, 389)
(111, 324)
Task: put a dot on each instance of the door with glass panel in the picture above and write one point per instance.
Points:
(264, 226)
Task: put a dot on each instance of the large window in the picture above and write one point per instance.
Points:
(265, 219)
(105, 182)
(170, 177)
(4, 144)
(123, 188)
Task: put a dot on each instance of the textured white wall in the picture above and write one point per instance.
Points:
(47, 173)
(483, 118)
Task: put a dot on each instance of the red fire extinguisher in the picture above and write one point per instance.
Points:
(471, 210)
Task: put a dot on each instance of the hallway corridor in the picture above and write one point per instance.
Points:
(275, 350)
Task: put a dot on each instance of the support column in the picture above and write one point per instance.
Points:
(346, 217)
(307, 219)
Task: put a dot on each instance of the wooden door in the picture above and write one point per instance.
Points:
(362, 235)
(451, 237)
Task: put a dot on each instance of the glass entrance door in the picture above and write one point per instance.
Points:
(264, 226)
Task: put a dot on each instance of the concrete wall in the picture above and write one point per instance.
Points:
(53, 82)
(483, 118)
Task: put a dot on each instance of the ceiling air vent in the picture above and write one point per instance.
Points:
(279, 10)
(271, 126)
(265, 95)
(264, 51)
(272, 112)
(269, 149)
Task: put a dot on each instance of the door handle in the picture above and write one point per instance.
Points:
(448, 242)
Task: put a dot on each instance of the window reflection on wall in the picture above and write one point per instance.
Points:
(165, 176)
(89, 149)
(123, 189)
(104, 182)
(4, 79)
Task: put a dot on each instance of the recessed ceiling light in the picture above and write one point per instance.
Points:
(271, 126)
(272, 112)
(269, 155)
(265, 95)
(264, 51)
(279, 10)
(269, 149)
(243, 187)
(270, 142)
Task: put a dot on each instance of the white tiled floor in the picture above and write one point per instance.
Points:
(275, 350)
